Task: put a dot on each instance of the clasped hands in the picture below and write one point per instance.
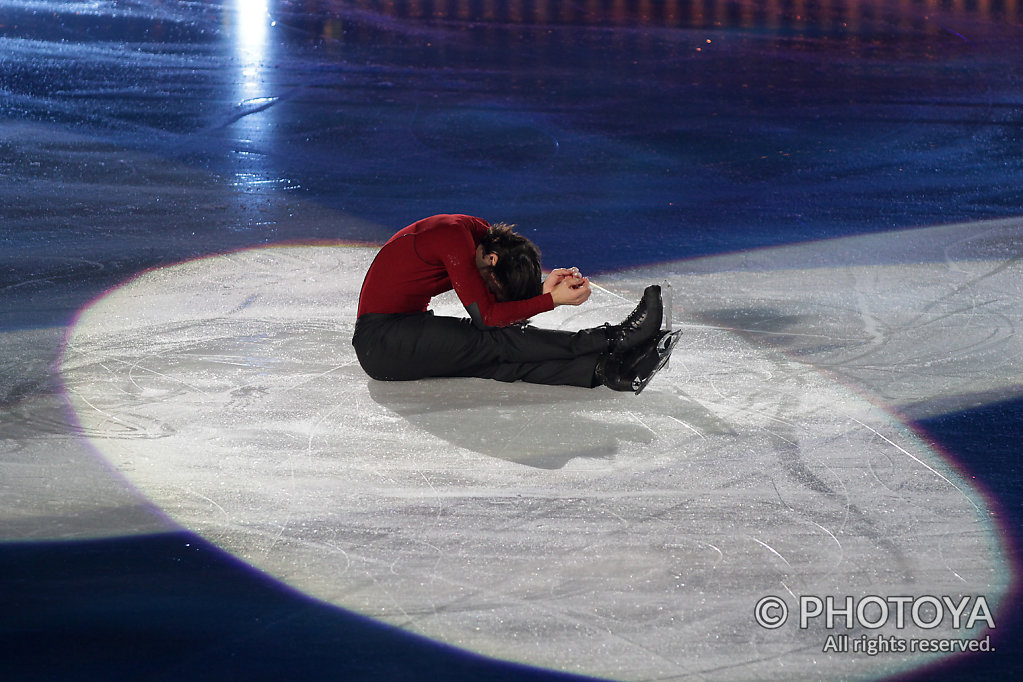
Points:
(567, 286)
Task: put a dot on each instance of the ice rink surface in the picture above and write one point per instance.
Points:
(606, 534)
(197, 481)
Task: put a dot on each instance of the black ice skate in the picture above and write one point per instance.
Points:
(613, 372)
(640, 326)
(651, 362)
(634, 371)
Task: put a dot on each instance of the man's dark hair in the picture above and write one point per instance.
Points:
(517, 270)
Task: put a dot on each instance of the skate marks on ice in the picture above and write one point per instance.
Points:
(610, 534)
(925, 320)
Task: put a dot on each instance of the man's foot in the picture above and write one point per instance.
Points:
(640, 326)
(613, 372)
(652, 360)
(634, 371)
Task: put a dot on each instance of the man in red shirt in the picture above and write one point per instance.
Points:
(496, 275)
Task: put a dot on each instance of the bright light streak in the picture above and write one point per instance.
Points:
(254, 119)
(251, 39)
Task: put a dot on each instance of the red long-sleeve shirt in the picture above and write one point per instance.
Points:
(432, 256)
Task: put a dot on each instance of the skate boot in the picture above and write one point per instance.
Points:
(634, 371)
(641, 324)
(610, 372)
(652, 358)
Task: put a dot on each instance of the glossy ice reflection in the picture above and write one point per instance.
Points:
(254, 123)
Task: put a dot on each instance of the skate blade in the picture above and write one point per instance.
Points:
(664, 348)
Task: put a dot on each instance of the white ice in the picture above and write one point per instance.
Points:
(583, 530)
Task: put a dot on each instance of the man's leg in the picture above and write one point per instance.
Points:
(402, 347)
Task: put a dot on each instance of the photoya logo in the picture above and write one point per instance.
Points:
(873, 612)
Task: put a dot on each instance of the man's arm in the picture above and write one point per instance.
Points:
(453, 245)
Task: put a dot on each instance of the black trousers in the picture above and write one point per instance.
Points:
(420, 345)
